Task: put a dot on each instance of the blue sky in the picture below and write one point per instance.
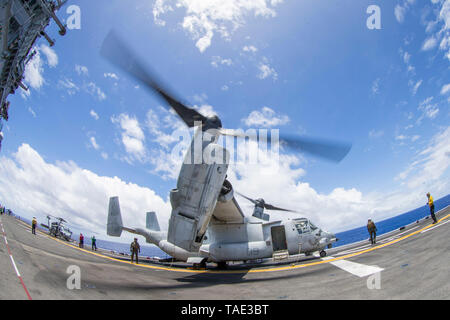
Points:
(305, 67)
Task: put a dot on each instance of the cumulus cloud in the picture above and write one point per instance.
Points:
(34, 71)
(265, 118)
(252, 49)
(68, 85)
(445, 89)
(217, 60)
(94, 115)
(133, 137)
(34, 187)
(265, 71)
(442, 36)
(111, 75)
(203, 19)
(429, 44)
(50, 54)
(95, 91)
(401, 9)
(81, 70)
(94, 143)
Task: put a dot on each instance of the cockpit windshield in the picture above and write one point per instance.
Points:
(302, 226)
(313, 227)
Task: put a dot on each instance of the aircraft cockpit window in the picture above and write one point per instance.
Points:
(302, 226)
(313, 227)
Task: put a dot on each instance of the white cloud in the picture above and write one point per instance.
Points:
(429, 44)
(95, 91)
(416, 87)
(401, 9)
(132, 136)
(34, 71)
(217, 60)
(94, 143)
(415, 138)
(32, 112)
(406, 57)
(252, 49)
(376, 86)
(445, 89)
(81, 70)
(428, 109)
(50, 54)
(34, 187)
(442, 8)
(399, 12)
(203, 19)
(430, 165)
(265, 118)
(70, 87)
(265, 71)
(94, 114)
(111, 75)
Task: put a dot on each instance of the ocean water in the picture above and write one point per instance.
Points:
(346, 237)
(390, 224)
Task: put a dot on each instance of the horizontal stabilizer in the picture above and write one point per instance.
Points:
(152, 222)
(114, 226)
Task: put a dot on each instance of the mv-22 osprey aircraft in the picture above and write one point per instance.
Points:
(206, 223)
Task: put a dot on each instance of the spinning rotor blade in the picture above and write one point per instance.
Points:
(266, 205)
(327, 149)
(249, 199)
(119, 54)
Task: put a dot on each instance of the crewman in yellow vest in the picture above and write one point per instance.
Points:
(33, 225)
(431, 205)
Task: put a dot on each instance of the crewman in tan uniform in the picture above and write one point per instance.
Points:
(135, 249)
(372, 231)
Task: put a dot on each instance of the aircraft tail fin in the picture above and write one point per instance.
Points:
(114, 224)
(152, 222)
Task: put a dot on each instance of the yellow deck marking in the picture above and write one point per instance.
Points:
(291, 267)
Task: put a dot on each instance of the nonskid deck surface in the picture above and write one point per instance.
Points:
(411, 263)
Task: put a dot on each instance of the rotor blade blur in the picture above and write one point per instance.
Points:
(271, 207)
(327, 149)
(249, 199)
(266, 205)
(120, 55)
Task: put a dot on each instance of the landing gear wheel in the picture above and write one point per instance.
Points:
(323, 253)
(222, 265)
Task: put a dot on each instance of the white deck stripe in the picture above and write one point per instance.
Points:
(14, 264)
(438, 225)
(357, 269)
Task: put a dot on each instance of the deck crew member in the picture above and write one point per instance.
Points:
(431, 205)
(94, 243)
(33, 225)
(372, 231)
(81, 240)
(135, 249)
